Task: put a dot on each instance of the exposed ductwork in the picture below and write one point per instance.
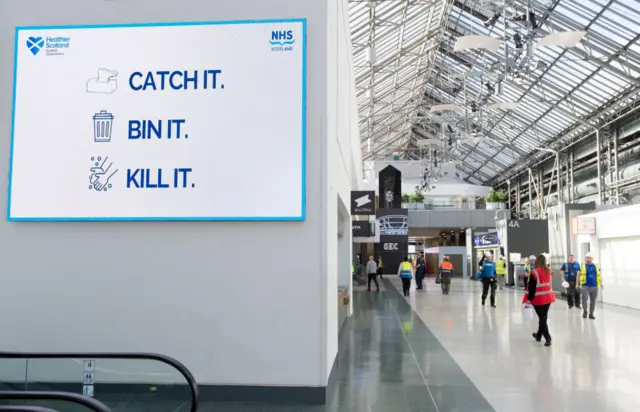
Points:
(586, 191)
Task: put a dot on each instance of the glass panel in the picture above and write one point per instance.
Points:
(12, 374)
(121, 384)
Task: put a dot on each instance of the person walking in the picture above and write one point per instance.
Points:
(380, 266)
(446, 272)
(590, 280)
(372, 272)
(540, 296)
(527, 270)
(501, 271)
(405, 271)
(570, 271)
(420, 270)
(488, 276)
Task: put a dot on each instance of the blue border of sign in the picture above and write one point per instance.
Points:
(303, 214)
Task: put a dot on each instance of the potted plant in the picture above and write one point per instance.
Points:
(417, 198)
(496, 199)
(406, 198)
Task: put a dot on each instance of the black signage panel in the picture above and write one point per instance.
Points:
(361, 229)
(363, 202)
(394, 237)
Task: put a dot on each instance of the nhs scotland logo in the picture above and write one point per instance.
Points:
(282, 40)
(34, 44)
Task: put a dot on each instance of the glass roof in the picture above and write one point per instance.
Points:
(405, 63)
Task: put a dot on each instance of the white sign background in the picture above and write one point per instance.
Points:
(246, 143)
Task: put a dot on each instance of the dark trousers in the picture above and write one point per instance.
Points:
(489, 283)
(373, 276)
(380, 272)
(445, 283)
(543, 328)
(419, 278)
(406, 285)
(573, 294)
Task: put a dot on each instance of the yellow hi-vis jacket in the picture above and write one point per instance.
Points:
(501, 268)
(583, 275)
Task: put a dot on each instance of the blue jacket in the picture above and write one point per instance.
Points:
(488, 270)
(571, 270)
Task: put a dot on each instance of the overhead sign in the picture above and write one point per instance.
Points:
(168, 121)
(583, 225)
(361, 229)
(488, 239)
(363, 203)
(393, 222)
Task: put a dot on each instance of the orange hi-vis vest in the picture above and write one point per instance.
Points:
(446, 268)
(544, 293)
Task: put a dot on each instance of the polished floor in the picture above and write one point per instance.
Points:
(593, 365)
(430, 352)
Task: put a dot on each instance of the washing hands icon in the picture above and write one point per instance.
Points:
(100, 176)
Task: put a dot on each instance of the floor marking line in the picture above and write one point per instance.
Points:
(415, 358)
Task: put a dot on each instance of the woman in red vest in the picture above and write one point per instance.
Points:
(541, 296)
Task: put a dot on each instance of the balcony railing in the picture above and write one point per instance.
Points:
(444, 205)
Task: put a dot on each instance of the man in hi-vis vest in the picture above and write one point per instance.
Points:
(501, 271)
(590, 281)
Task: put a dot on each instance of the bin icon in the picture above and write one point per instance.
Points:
(102, 126)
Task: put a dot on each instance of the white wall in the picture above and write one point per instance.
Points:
(616, 245)
(189, 290)
(341, 148)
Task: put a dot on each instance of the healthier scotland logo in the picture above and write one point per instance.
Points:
(53, 46)
(34, 44)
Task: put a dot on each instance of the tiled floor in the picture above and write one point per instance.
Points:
(440, 353)
(389, 361)
(593, 365)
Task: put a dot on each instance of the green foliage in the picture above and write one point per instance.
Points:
(496, 196)
(412, 198)
(417, 197)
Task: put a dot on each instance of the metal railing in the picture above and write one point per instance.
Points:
(85, 401)
(25, 408)
(191, 382)
(444, 205)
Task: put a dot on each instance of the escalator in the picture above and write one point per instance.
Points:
(95, 382)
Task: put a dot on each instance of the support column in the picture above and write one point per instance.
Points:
(509, 195)
(599, 161)
(559, 187)
(530, 196)
(616, 172)
(571, 189)
(518, 196)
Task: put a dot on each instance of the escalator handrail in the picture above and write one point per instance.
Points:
(186, 373)
(85, 401)
(25, 408)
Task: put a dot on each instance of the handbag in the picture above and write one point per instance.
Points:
(527, 312)
(438, 279)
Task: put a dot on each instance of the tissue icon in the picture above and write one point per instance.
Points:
(105, 83)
